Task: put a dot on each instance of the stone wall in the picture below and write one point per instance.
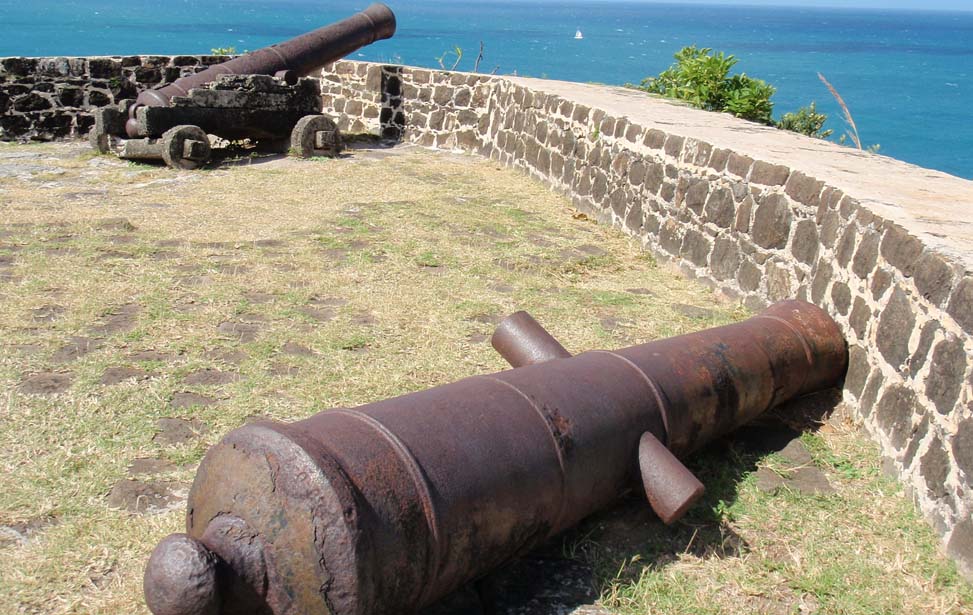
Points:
(49, 98)
(748, 210)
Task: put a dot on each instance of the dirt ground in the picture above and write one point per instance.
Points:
(147, 312)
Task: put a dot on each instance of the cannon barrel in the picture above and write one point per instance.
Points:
(298, 56)
(389, 506)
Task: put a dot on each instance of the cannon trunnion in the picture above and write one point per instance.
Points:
(261, 96)
(387, 507)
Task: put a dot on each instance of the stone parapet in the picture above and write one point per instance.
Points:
(762, 215)
(49, 98)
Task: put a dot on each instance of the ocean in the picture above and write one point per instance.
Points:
(906, 76)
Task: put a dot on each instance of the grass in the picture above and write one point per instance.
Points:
(382, 275)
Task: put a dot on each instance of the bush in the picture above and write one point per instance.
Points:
(703, 79)
(806, 121)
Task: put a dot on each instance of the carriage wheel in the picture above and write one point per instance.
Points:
(316, 135)
(185, 147)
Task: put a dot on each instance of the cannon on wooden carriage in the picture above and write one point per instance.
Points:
(387, 507)
(263, 96)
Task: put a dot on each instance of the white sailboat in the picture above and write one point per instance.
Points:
(577, 35)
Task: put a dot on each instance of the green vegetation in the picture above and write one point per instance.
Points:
(223, 51)
(702, 78)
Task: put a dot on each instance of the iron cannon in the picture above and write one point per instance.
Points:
(261, 95)
(387, 507)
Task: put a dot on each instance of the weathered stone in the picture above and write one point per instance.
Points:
(860, 315)
(895, 328)
(804, 189)
(870, 394)
(719, 207)
(696, 247)
(655, 139)
(725, 259)
(772, 222)
(739, 164)
(895, 411)
(674, 145)
(636, 172)
(963, 447)
(934, 467)
(910, 451)
(654, 176)
(718, 159)
(946, 374)
(858, 369)
(933, 277)
(960, 546)
(961, 304)
(742, 223)
(779, 286)
(841, 297)
(881, 281)
(769, 174)
(830, 224)
(805, 246)
(901, 249)
(846, 246)
(696, 195)
(867, 255)
(749, 276)
(926, 339)
(31, 102)
(669, 238)
(821, 280)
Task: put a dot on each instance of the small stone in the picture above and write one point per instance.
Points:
(769, 174)
(804, 189)
(860, 316)
(120, 320)
(696, 195)
(821, 280)
(77, 347)
(749, 276)
(946, 374)
(881, 281)
(210, 377)
(242, 332)
(186, 399)
(841, 297)
(858, 370)
(870, 394)
(961, 305)
(696, 247)
(117, 375)
(901, 249)
(178, 431)
(719, 208)
(293, 348)
(810, 480)
(796, 453)
(145, 498)
(866, 256)
(45, 384)
(150, 466)
(806, 244)
(725, 260)
(152, 355)
(769, 481)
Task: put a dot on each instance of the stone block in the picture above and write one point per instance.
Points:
(900, 249)
(806, 243)
(669, 238)
(580, 114)
(32, 102)
(895, 412)
(655, 139)
(696, 193)
(961, 304)
(820, 282)
(920, 432)
(749, 275)
(19, 66)
(696, 248)
(934, 467)
(463, 97)
(772, 222)
(632, 133)
(674, 145)
(804, 189)
(769, 174)
(860, 316)
(960, 547)
(881, 281)
(739, 165)
(720, 209)
(780, 284)
(895, 328)
(870, 394)
(841, 297)
(866, 256)
(742, 222)
(442, 95)
(858, 370)
(946, 374)
(846, 246)
(654, 177)
(725, 260)
(621, 125)
(830, 224)
(963, 447)
(933, 277)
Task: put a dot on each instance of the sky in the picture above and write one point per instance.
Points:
(938, 5)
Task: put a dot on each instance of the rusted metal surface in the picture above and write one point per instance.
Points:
(521, 340)
(669, 485)
(387, 507)
(294, 58)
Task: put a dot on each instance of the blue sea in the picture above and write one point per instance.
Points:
(906, 76)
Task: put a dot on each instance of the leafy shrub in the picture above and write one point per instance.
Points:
(703, 79)
(806, 121)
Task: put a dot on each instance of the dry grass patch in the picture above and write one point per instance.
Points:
(281, 287)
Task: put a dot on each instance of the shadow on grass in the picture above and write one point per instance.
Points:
(618, 545)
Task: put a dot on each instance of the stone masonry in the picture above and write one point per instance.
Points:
(758, 213)
(49, 98)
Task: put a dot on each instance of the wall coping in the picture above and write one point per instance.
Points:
(935, 206)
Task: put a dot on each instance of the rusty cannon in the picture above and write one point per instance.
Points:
(387, 507)
(260, 96)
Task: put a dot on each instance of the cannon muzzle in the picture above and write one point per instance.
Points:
(294, 58)
(387, 507)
